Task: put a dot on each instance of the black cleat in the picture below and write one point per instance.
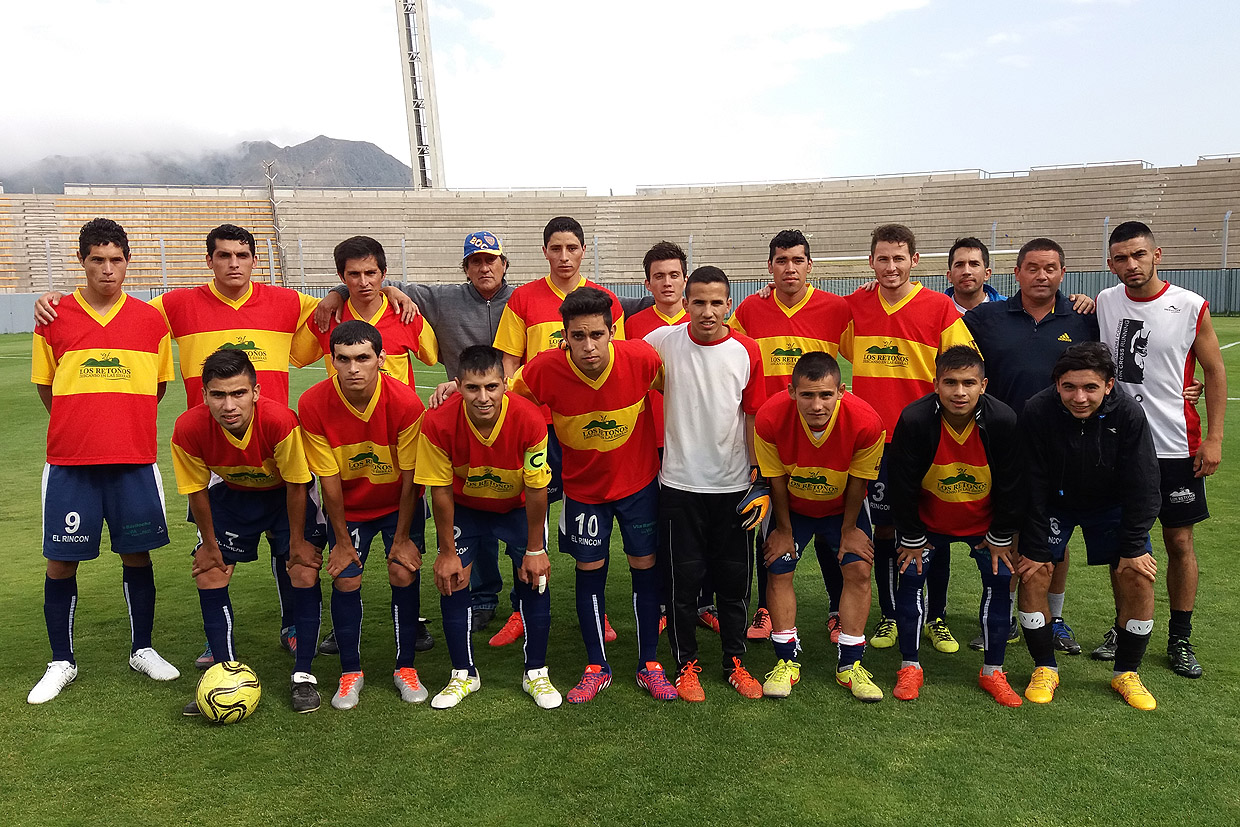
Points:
(1065, 641)
(1106, 651)
(305, 694)
(423, 641)
(191, 710)
(481, 619)
(1183, 659)
(329, 645)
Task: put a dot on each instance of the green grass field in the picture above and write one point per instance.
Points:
(113, 748)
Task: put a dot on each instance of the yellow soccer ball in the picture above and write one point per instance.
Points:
(228, 692)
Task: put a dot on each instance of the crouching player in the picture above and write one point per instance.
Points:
(954, 477)
(240, 460)
(596, 390)
(484, 455)
(819, 446)
(361, 432)
(1091, 463)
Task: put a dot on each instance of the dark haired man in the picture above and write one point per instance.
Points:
(1157, 333)
(1089, 462)
(361, 430)
(596, 391)
(954, 476)
(818, 446)
(101, 372)
(240, 460)
(968, 272)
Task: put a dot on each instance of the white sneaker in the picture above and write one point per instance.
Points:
(538, 686)
(461, 684)
(149, 663)
(350, 690)
(59, 674)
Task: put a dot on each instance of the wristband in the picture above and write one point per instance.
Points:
(535, 553)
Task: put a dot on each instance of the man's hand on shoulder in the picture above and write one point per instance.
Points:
(45, 307)
(402, 305)
(1082, 304)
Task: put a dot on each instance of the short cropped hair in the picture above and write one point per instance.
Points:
(1039, 245)
(356, 332)
(959, 357)
(1130, 230)
(706, 275)
(664, 251)
(100, 232)
(815, 365)
(225, 364)
(230, 232)
(893, 234)
(563, 224)
(586, 301)
(1093, 356)
(787, 239)
(359, 246)
(480, 359)
(968, 243)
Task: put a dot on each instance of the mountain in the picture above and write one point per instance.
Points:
(320, 162)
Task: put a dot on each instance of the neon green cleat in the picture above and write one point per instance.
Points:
(884, 634)
(781, 679)
(859, 680)
(941, 636)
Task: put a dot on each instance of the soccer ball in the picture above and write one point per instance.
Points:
(228, 692)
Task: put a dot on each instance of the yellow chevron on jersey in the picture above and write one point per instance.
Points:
(112, 370)
(892, 357)
(267, 349)
(598, 430)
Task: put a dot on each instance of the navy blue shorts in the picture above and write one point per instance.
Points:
(472, 527)
(825, 532)
(77, 499)
(364, 533)
(876, 497)
(586, 527)
(1100, 530)
(241, 518)
(942, 544)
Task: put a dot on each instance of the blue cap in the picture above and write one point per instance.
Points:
(483, 242)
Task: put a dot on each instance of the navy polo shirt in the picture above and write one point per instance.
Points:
(1020, 353)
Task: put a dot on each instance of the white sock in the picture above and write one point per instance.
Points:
(990, 670)
(905, 663)
(1056, 603)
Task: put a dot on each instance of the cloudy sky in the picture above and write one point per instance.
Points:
(613, 95)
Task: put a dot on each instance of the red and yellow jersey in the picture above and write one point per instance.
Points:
(489, 473)
(104, 371)
(400, 340)
(636, 327)
(818, 467)
(604, 425)
(815, 324)
(261, 322)
(955, 492)
(269, 454)
(531, 322)
(892, 347)
(367, 449)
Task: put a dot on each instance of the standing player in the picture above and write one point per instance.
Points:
(794, 319)
(819, 446)
(361, 429)
(239, 459)
(100, 373)
(954, 476)
(484, 455)
(894, 336)
(712, 391)
(968, 272)
(1090, 462)
(531, 324)
(1157, 332)
(596, 391)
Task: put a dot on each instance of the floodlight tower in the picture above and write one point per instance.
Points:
(420, 106)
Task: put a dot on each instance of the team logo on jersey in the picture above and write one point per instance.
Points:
(962, 482)
(106, 366)
(489, 479)
(252, 476)
(888, 354)
(557, 339)
(1182, 495)
(1064, 337)
(785, 356)
(604, 428)
(1171, 308)
(256, 353)
(369, 458)
(1131, 347)
(814, 484)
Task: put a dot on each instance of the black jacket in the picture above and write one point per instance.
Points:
(1088, 465)
(911, 453)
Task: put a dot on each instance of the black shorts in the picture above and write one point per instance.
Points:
(1183, 495)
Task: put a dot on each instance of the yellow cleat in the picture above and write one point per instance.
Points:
(1042, 686)
(1130, 688)
(781, 679)
(860, 682)
(884, 636)
(941, 636)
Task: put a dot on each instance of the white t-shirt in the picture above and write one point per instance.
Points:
(1151, 341)
(707, 391)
